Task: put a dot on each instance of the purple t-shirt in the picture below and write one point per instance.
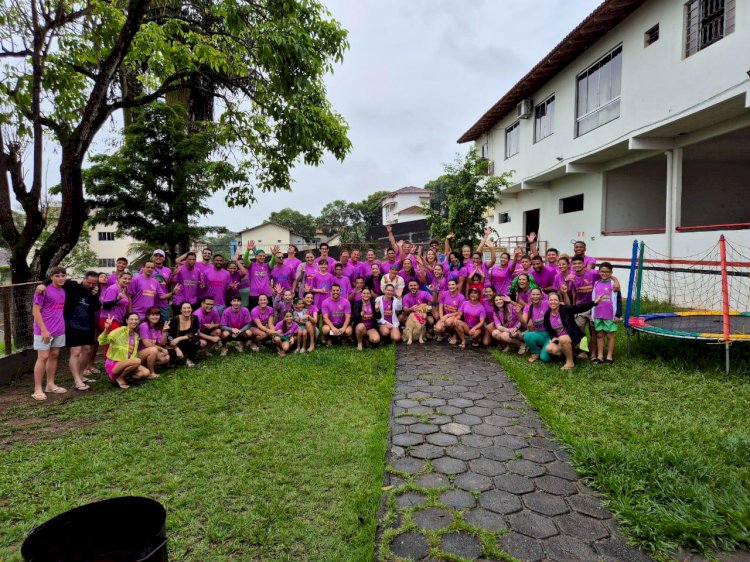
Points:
(556, 322)
(537, 315)
(308, 276)
(207, 318)
(260, 279)
(545, 279)
(473, 314)
(410, 300)
(146, 332)
(451, 303)
(329, 259)
(509, 320)
(322, 281)
(589, 262)
(365, 268)
(336, 310)
(345, 284)
(606, 308)
(216, 282)
(439, 286)
(354, 269)
(410, 276)
(283, 276)
(145, 294)
(189, 279)
(285, 330)
(236, 319)
(368, 315)
(489, 310)
(387, 264)
(582, 285)
(51, 304)
(263, 315)
(470, 269)
(118, 311)
(293, 264)
(501, 278)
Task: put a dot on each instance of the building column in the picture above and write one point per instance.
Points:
(673, 205)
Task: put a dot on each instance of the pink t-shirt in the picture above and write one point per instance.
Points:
(118, 311)
(582, 285)
(501, 278)
(329, 259)
(262, 314)
(189, 279)
(207, 318)
(545, 279)
(236, 319)
(507, 320)
(537, 315)
(283, 276)
(285, 330)
(51, 304)
(473, 314)
(217, 281)
(336, 310)
(556, 322)
(346, 286)
(410, 300)
(451, 303)
(146, 332)
(260, 279)
(322, 281)
(145, 294)
(368, 315)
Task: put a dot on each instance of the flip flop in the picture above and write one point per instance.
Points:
(609, 361)
(56, 390)
(87, 379)
(82, 387)
(39, 396)
(566, 368)
(596, 361)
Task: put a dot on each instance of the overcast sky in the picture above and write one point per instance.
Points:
(417, 75)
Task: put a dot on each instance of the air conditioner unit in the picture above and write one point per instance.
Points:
(524, 109)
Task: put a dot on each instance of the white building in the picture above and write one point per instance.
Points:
(404, 205)
(108, 246)
(270, 234)
(637, 125)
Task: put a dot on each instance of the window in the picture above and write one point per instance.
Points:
(502, 218)
(706, 22)
(544, 119)
(485, 150)
(512, 137)
(598, 93)
(106, 262)
(106, 236)
(651, 36)
(571, 204)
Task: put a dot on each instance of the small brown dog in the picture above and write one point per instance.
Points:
(416, 323)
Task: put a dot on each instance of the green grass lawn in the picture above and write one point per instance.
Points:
(253, 456)
(664, 434)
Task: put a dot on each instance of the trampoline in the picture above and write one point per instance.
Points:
(695, 325)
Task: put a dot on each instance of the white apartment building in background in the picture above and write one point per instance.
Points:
(637, 125)
(404, 205)
(108, 246)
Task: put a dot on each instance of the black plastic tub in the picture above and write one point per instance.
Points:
(128, 529)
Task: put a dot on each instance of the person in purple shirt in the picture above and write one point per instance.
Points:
(364, 321)
(237, 273)
(321, 285)
(216, 281)
(471, 319)
(262, 322)
(281, 273)
(506, 326)
(407, 273)
(607, 313)
(342, 280)
(260, 276)
(283, 302)
(190, 278)
(286, 331)
(551, 256)
(349, 270)
(120, 265)
(501, 275)
(145, 291)
(536, 338)
(579, 250)
(49, 333)
(449, 303)
(356, 293)
(115, 302)
(544, 275)
(153, 340)
(356, 266)
(391, 260)
(292, 261)
(306, 274)
(235, 325)
(210, 323)
(488, 301)
(325, 257)
(337, 316)
(366, 267)
(411, 299)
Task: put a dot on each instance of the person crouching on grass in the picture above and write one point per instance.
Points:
(286, 330)
(122, 355)
(235, 325)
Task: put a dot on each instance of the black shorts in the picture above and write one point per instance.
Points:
(77, 338)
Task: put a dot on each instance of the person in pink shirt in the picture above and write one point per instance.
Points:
(413, 298)
(189, 278)
(560, 283)
(544, 275)
(286, 332)
(349, 270)
(291, 258)
(321, 285)
(363, 319)
(449, 304)
(237, 273)
(387, 307)
(313, 320)
(391, 260)
(580, 285)
(408, 273)
(366, 267)
(235, 326)
(536, 338)
(115, 302)
(551, 256)
(210, 323)
(488, 301)
(342, 280)
(337, 316)
(471, 318)
(356, 266)
(579, 249)
(506, 326)
(49, 334)
(325, 257)
(145, 291)
(262, 322)
(393, 278)
(259, 273)
(373, 282)
(306, 274)
(153, 341)
(216, 282)
(281, 273)
(120, 265)
(283, 302)
(501, 275)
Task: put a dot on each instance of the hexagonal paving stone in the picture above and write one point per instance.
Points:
(582, 526)
(564, 548)
(487, 467)
(424, 428)
(418, 395)
(521, 547)
(397, 452)
(555, 485)
(448, 465)
(514, 483)
(498, 453)
(448, 410)
(487, 403)
(542, 443)
(488, 430)
(458, 499)
(478, 411)
(473, 482)
(419, 410)
(406, 403)
(397, 429)
(410, 545)
(485, 519)
(526, 468)
(473, 394)
(519, 430)
(408, 465)
(545, 503)
(433, 402)
(511, 441)
(467, 419)
(562, 470)
(455, 429)
(439, 419)
(476, 441)
(461, 544)
(506, 412)
(433, 518)
(537, 455)
(408, 439)
(460, 402)
(532, 525)
(456, 389)
(615, 548)
(432, 480)
(410, 499)
(498, 421)
(442, 439)
(462, 452)
(405, 420)
(427, 452)
(499, 501)
(588, 505)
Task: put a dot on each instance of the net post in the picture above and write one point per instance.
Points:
(629, 300)
(725, 298)
(640, 280)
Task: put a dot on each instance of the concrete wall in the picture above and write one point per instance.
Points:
(636, 196)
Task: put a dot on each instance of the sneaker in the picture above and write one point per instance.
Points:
(224, 351)
(522, 349)
(240, 347)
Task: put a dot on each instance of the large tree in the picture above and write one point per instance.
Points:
(64, 64)
(297, 222)
(155, 187)
(462, 197)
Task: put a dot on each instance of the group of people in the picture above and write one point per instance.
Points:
(161, 315)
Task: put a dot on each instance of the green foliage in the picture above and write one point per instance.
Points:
(352, 220)
(461, 198)
(154, 187)
(371, 211)
(298, 223)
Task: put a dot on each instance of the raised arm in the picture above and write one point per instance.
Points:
(447, 244)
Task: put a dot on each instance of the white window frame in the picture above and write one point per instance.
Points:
(612, 104)
(695, 26)
(514, 129)
(550, 118)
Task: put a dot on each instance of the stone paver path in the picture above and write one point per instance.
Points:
(473, 473)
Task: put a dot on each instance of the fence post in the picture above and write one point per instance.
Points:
(640, 281)
(629, 300)
(7, 335)
(725, 299)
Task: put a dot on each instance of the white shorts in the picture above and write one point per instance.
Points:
(56, 341)
(584, 318)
